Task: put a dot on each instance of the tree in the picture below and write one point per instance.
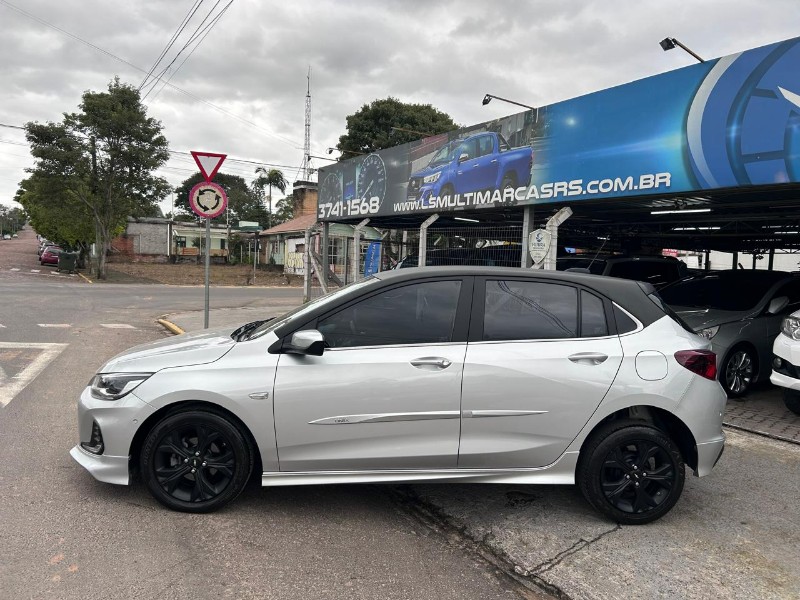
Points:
(370, 128)
(244, 202)
(11, 219)
(269, 178)
(284, 210)
(60, 218)
(104, 158)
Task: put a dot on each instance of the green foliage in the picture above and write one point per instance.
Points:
(284, 210)
(59, 217)
(244, 202)
(103, 158)
(370, 128)
(272, 178)
(11, 219)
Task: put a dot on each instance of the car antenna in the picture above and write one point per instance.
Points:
(594, 258)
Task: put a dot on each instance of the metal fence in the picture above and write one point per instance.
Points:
(471, 244)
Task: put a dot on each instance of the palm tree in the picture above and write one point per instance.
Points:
(270, 178)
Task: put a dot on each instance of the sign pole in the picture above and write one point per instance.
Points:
(208, 264)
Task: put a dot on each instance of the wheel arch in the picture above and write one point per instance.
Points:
(164, 411)
(662, 419)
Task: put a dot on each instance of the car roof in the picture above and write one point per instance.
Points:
(759, 275)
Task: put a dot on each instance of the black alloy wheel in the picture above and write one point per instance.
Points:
(196, 461)
(631, 472)
(738, 372)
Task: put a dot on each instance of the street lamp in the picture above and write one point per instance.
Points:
(488, 98)
(670, 42)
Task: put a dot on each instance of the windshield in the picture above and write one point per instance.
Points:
(732, 293)
(265, 327)
(444, 154)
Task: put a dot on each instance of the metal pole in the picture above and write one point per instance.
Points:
(527, 227)
(255, 255)
(325, 258)
(357, 250)
(771, 259)
(423, 239)
(307, 266)
(208, 265)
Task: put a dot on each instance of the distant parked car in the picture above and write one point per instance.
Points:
(786, 361)
(42, 245)
(740, 311)
(6, 236)
(50, 255)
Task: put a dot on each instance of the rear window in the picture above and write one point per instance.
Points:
(657, 273)
(720, 292)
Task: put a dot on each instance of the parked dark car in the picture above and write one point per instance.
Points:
(657, 270)
(50, 255)
(740, 311)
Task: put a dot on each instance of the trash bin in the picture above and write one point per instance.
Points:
(67, 261)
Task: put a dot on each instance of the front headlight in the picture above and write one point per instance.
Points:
(708, 332)
(432, 178)
(113, 386)
(790, 326)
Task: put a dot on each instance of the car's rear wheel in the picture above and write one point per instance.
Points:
(631, 472)
(738, 371)
(447, 190)
(791, 399)
(196, 461)
(509, 181)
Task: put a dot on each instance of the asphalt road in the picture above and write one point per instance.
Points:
(64, 535)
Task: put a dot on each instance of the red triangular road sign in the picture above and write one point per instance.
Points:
(208, 162)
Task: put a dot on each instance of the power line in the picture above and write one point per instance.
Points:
(172, 40)
(12, 126)
(206, 30)
(277, 136)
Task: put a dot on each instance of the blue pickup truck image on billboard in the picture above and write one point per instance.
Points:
(481, 162)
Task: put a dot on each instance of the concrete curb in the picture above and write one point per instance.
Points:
(170, 326)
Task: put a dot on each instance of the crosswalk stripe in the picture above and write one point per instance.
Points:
(2, 326)
(117, 326)
(62, 325)
(36, 270)
(15, 268)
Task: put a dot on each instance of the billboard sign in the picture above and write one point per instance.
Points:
(729, 122)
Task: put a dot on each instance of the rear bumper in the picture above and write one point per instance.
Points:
(708, 454)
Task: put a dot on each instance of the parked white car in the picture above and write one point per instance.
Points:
(460, 374)
(786, 361)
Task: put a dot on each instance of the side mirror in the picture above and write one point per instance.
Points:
(306, 342)
(463, 157)
(776, 305)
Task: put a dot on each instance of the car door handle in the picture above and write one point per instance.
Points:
(436, 362)
(591, 358)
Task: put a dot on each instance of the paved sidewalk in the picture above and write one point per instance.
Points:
(763, 411)
(224, 317)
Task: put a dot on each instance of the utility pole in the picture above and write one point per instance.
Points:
(306, 168)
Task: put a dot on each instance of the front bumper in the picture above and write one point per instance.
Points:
(788, 351)
(118, 421)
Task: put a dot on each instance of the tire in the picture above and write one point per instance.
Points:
(791, 399)
(447, 190)
(509, 181)
(631, 472)
(738, 371)
(196, 461)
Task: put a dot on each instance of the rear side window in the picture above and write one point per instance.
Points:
(529, 310)
(593, 316)
(624, 323)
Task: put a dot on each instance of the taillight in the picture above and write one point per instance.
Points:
(702, 362)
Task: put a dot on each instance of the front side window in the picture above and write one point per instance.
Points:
(529, 310)
(420, 313)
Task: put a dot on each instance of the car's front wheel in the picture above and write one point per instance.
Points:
(196, 461)
(631, 472)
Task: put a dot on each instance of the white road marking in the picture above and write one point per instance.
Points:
(15, 268)
(2, 326)
(62, 325)
(13, 386)
(117, 326)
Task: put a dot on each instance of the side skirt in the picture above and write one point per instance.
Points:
(560, 472)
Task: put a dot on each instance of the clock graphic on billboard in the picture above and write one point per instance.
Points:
(372, 178)
(331, 189)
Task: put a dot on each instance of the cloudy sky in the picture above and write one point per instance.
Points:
(242, 91)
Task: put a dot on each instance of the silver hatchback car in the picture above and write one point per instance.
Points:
(462, 374)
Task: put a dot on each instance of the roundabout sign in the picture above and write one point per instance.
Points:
(208, 200)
